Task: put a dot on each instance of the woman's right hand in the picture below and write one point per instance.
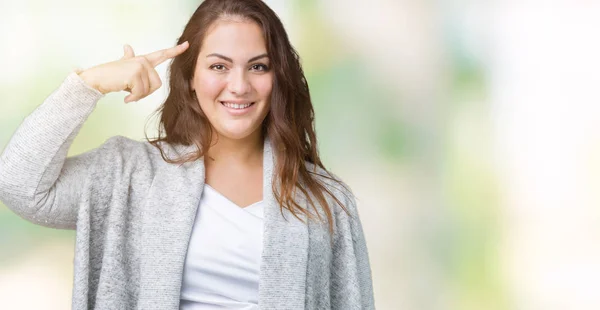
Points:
(134, 74)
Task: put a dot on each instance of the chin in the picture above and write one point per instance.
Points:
(236, 134)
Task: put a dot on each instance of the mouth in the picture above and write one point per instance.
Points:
(237, 106)
(238, 109)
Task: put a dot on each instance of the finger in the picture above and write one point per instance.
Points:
(154, 80)
(127, 52)
(143, 77)
(158, 57)
(146, 80)
(137, 90)
(153, 77)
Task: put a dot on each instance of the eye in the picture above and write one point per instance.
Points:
(260, 67)
(218, 67)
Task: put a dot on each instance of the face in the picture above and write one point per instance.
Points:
(232, 78)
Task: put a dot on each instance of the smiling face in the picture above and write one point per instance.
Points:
(232, 78)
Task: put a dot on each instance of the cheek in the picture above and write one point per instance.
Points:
(209, 86)
(264, 86)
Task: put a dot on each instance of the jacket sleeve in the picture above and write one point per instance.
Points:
(37, 180)
(351, 282)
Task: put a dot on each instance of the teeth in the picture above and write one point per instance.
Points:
(236, 106)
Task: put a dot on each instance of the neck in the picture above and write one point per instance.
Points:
(246, 150)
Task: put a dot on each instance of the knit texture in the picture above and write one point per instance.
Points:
(133, 214)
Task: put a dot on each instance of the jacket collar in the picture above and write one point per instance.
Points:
(170, 211)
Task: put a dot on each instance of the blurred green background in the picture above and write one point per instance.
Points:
(469, 131)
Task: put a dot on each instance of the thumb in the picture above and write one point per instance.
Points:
(128, 52)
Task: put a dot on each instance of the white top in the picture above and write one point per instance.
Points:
(222, 265)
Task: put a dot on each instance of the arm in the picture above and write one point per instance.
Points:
(37, 180)
(351, 282)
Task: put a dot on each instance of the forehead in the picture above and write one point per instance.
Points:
(234, 38)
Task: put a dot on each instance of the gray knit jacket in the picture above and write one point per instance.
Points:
(133, 214)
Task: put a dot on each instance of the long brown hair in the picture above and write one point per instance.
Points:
(289, 124)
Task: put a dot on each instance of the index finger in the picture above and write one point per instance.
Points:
(158, 57)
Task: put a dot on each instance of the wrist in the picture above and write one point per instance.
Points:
(84, 75)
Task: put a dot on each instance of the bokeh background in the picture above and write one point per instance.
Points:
(469, 130)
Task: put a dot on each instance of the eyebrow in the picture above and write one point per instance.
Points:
(231, 60)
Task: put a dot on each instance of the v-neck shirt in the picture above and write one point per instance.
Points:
(223, 260)
(255, 208)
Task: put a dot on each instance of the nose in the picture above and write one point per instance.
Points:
(239, 83)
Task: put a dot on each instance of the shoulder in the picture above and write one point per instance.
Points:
(121, 144)
(123, 147)
(120, 149)
(338, 188)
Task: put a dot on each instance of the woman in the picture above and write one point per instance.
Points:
(230, 207)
